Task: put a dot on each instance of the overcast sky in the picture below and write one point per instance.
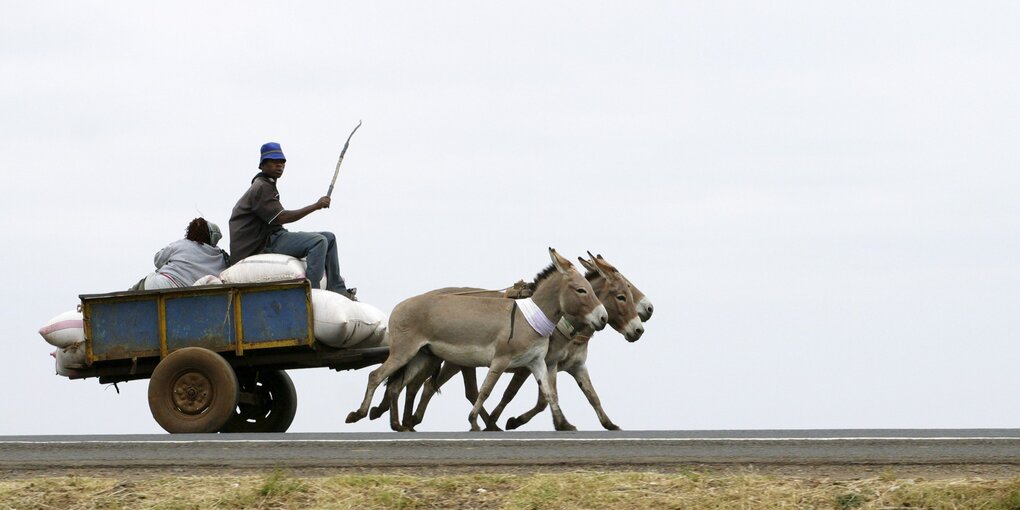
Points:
(820, 198)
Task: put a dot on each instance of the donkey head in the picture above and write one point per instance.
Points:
(644, 305)
(615, 293)
(577, 299)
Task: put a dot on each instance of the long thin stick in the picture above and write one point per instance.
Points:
(341, 160)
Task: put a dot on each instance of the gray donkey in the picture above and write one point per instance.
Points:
(567, 352)
(472, 331)
(572, 345)
(568, 349)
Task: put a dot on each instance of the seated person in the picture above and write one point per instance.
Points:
(186, 260)
(256, 226)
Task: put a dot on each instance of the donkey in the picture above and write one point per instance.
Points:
(568, 350)
(471, 331)
(575, 351)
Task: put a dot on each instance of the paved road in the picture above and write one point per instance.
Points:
(806, 447)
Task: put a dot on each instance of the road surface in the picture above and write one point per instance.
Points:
(346, 450)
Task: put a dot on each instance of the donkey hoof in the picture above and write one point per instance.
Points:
(612, 426)
(513, 423)
(353, 417)
(376, 412)
(566, 427)
(492, 427)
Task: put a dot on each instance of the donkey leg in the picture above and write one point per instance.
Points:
(393, 398)
(471, 393)
(495, 370)
(409, 395)
(520, 375)
(445, 374)
(387, 401)
(414, 374)
(378, 410)
(584, 382)
(540, 405)
(394, 362)
(516, 421)
(545, 376)
(388, 398)
(428, 370)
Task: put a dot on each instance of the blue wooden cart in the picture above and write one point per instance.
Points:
(215, 355)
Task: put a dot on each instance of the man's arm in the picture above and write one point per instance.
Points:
(291, 216)
(163, 256)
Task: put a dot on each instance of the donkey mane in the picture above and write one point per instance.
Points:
(591, 275)
(543, 274)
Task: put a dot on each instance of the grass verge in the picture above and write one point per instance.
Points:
(549, 491)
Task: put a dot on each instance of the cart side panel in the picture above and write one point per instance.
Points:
(204, 320)
(124, 329)
(271, 317)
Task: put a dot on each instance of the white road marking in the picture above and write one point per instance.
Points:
(524, 440)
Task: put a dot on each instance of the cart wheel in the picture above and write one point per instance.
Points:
(268, 402)
(192, 390)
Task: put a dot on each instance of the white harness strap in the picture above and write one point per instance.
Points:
(536, 317)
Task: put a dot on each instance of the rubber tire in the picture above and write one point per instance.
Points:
(200, 374)
(279, 396)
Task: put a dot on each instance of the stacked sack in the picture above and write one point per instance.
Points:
(265, 267)
(340, 322)
(66, 332)
(337, 321)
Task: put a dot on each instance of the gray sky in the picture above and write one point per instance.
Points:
(820, 198)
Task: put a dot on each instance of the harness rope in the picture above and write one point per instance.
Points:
(513, 316)
(462, 293)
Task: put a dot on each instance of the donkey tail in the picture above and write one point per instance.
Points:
(396, 377)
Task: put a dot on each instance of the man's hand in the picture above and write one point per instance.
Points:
(286, 217)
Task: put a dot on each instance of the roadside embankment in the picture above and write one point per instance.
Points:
(684, 488)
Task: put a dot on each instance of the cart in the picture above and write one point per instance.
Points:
(216, 356)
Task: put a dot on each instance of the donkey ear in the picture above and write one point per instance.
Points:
(603, 268)
(586, 264)
(605, 265)
(562, 265)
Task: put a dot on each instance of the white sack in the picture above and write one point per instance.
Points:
(378, 338)
(70, 358)
(265, 267)
(322, 282)
(209, 279)
(64, 330)
(340, 322)
(61, 369)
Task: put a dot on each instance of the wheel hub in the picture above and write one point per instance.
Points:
(192, 393)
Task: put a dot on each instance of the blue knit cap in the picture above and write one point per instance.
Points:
(271, 150)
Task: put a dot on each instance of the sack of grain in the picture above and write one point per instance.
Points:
(64, 330)
(265, 267)
(208, 280)
(340, 322)
(72, 356)
(70, 359)
(378, 338)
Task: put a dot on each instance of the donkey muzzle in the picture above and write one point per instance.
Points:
(645, 309)
(598, 318)
(633, 330)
